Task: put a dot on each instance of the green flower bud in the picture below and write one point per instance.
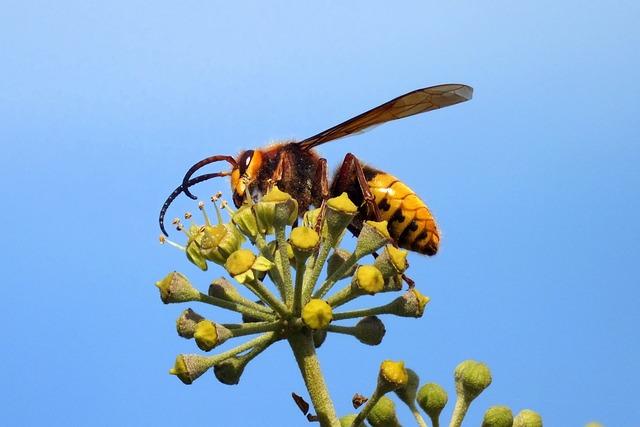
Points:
(471, 379)
(370, 330)
(392, 375)
(337, 258)
(498, 416)
(188, 367)
(304, 241)
(338, 214)
(527, 418)
(408, 392)
(317, 314)
(392, 261)
(186, 323)
(175, 287)
(367, 280)
(220, 241)
(411, 304)
(318, 335)
(347, 420)
(209, 335)
(230, 370)
(432, 399)
(245, 219)
(276, 209)
(372, 237)
(221, 288)
(383, 414)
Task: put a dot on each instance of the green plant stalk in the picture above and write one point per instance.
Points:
(301, 269)
(459, 411)
(286, 266)
(418, 416)
(238, 330)
(362, 415)
(265, 338)
(302, 345)
(337, 274)
(258, 288)
(259, 348)
(235, 306)
(311, 281)
(374, 311)
(343, 296)
(346, 330)
(274, 273)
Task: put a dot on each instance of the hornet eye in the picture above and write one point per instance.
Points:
(245, 161)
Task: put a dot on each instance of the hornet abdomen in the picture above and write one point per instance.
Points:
(410, 222)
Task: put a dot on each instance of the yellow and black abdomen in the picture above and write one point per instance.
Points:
(410, 221)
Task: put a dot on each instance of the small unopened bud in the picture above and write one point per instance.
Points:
(367, 280)
(498, 416)
(223, 289)
(337, 258)
(188, 367)
(303, 242)
(338, 214)
(230, 370)
(373, 236)
(408, 392)
(527, 418)
(317, 314)
(318, 335)
(383, 414)
(471, 379)
(392, 376)
(186, 323)
(432, 398)
(245, 219)
(370, 330)
(392, 261)
(411, 304)
(209, 335)
(276, 209)
(175, 288)
(347, 420)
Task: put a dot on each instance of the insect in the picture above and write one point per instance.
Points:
(296, 168)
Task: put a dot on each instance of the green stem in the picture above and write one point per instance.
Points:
(335, 276)
(235, 306)
(301, 268)
(346, 330)
(362, 415)
(459, 411)
(286, 266)
(302, 345)
(374, 311)
(274, 273)
(418, 416)
(253, 328)
(343, 296)
(310, 283)
(242, 347)
(258, 288)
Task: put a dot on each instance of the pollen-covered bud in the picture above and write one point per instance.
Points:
(392, 376)
(175, 287)
(383, 414)
(338, 214)
(304, 241)
(392, 261)
(373, 236)
(188, 367)
(527, 418)
(209, 335)
(370, 330)
(317, 314)
(337, 258)
(367, 280)
(245, 220)
(230, 370)
(408, 392)
(432, 398)
(276, 209)
(220, 241)
(411, 304)
(186, 323)
(243, 263)
(498, 416)
(471, 379)
(347, 420)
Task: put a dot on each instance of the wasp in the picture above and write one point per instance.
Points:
(296, 168)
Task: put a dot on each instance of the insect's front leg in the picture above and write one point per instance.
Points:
(321, 190)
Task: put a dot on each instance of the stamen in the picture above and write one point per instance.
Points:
(204, 213)
(214, 199)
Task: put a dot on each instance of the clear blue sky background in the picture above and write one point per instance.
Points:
(103, 106)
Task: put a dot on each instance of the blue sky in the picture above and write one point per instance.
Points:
(104, 105)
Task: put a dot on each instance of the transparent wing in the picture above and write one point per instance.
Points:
(415, 102)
